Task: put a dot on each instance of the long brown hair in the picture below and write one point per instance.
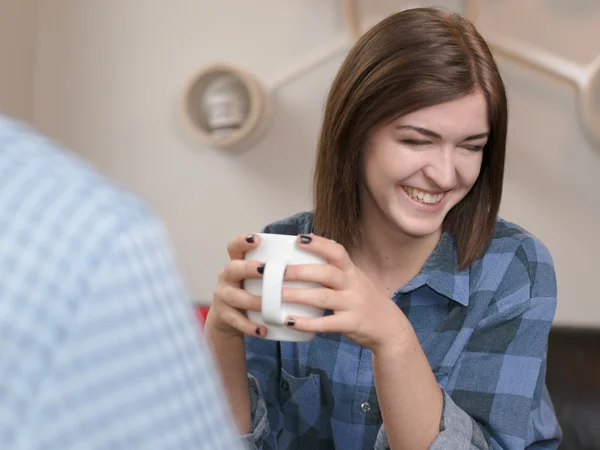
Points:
(411, 60)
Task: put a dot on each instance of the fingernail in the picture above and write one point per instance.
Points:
(305, 239)
(261, 269)
(291, 322)
(250, 239)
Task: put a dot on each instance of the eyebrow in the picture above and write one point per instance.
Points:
(435, 135)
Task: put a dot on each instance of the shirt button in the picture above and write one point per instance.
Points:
(285, 385)
(365, 407)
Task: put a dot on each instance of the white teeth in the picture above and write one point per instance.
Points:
(423, 197)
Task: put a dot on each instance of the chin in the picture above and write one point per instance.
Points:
(417, 227)
(418, 222)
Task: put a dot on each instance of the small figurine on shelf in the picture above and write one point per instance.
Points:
(225, 103)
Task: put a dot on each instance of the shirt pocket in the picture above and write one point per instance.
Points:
(300, 402)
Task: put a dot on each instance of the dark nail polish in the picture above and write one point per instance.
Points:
(261, 269)
(258, 331)
(305, 239)
(250, 239)
(291, 322)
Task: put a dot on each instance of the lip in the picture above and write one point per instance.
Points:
(431, 208)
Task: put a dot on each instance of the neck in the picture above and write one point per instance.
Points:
(387, 249)
(388, 254)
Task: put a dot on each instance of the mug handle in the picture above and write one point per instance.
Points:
(271, 292)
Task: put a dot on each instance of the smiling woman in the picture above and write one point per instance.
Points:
(420, 165)
(437, 311)
(400, 87)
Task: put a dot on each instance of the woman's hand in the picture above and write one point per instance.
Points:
(361, 311)
(227, 312)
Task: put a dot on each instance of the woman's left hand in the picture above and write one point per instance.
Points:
(361, 311)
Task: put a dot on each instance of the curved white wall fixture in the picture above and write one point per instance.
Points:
(248, 134)
(257, 120)
(586, 78)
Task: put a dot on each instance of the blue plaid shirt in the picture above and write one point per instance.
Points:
(484, 331)
(99, 348)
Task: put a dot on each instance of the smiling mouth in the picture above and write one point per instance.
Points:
(427, 198)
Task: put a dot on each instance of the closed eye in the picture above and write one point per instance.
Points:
(415, 142)
(420, 143)
(474, 148)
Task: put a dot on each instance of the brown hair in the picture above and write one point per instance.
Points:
(411, 60)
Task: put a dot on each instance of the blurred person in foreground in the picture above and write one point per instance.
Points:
(437, 311)
(99, 348)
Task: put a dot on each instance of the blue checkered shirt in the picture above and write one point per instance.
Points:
(99, 348)
(484, 331)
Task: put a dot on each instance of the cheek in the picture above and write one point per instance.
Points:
(469, 170)
(373, 178)
(380, 166)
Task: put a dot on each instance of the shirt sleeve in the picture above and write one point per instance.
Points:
(467, 433)
(495, 396)
(264, 366)
(132, 370)
(259, 422)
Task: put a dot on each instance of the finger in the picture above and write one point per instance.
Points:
(321, 298)
(240, 244)
(323, 274)
(238, 298)
(240, 269)
(326, 324)
(327, 249)
(238, 320)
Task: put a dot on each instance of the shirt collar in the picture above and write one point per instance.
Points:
(442, 274)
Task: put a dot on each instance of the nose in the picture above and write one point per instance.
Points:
(441, 169)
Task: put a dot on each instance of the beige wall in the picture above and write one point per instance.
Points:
(109, 77)
(551, 185)
(17, 42)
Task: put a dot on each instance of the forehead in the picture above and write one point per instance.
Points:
(464, 116)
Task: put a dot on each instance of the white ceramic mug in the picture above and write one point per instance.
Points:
(278, 251)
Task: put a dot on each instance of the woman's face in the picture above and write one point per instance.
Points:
(417, 167)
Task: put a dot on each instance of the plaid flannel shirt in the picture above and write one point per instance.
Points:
(99, 348)
(484, 331)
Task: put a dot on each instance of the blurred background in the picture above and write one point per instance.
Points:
(107, 78)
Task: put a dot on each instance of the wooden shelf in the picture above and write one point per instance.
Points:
(225, 107)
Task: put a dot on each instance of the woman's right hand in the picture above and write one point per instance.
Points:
(230, 301)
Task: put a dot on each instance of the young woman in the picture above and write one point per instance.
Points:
(438, 312)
